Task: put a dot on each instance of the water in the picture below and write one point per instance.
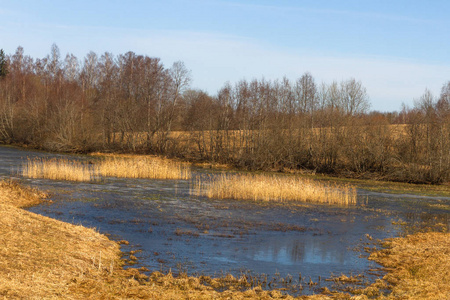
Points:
(181, 232)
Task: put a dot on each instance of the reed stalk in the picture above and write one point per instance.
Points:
(142, 167)
(58, 169)
(139, 167)
(275, 188)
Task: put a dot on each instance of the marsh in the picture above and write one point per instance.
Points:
(170, 228)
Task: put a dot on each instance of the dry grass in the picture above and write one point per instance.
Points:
(41, 257)
(418, 266)
(143, 167)
(128, 167)
(12, 193)
(275, 188)
(58, 169)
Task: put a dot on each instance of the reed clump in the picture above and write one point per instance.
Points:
(143, 167)
(275, 188)
(127, 167)
(58, 169)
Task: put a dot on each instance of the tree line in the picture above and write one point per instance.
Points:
(133, 103)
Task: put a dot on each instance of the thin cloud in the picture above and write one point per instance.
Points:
(215, 59)
(350, 13)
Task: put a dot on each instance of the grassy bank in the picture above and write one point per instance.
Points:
(374, 184)
(418, 266)
(392, 187)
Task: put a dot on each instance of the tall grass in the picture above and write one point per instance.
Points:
(58, 169)
(275, 188)
(138, 167)
(143, 167)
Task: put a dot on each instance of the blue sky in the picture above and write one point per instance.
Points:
(396, 48)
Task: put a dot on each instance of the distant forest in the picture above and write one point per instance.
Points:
(133, 103)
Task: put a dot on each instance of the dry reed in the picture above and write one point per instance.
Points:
(275, 188)
(143, 167)
(134, 167)
(58, 169)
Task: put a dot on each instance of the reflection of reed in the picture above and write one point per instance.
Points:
(297, 251)
(275, 188)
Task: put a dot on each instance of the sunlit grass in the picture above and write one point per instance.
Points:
(128, 167)
(418, 266)
(275, 188)
(43, 258)
(13, 193)
(58, 169)
(143, 167)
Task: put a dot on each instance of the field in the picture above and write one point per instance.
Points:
(356, 149)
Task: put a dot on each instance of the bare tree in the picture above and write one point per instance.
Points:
(354, 98)
(443, 105)
(71, 68)
(305, 93)
(180, 80)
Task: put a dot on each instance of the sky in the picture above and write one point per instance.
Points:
(397, 49)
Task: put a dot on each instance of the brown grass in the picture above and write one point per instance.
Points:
(418, 266)
(58, 169)
(275, 188)
(12, 193)
(143, 167)
(41, 257)
(128, 167)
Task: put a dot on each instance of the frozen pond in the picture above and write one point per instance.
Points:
(185, 233)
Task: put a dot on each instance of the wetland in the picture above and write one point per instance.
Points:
(170, 229)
